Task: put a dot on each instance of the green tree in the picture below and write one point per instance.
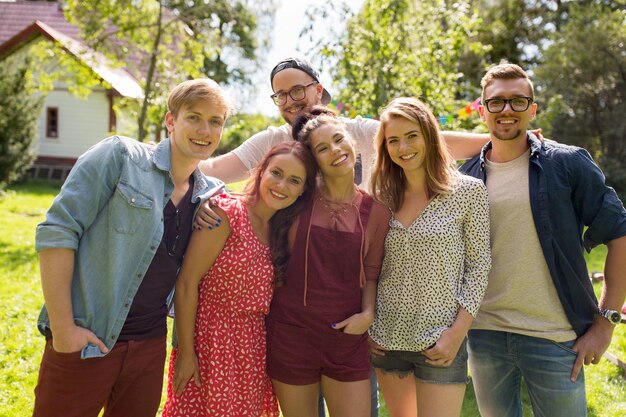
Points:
(397, 48)
(166, 41)
(240, 127)
(19, 110)
(518, 31)
(583, 75)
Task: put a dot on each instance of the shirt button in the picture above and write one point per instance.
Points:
(132, 200)
(126, 305)
(139, 275)
(113, 337)
(152, 247)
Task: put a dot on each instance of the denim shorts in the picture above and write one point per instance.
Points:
(404, 363)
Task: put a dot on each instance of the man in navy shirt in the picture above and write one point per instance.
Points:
(540, 319)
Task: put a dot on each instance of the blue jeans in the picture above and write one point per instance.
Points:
(498, 362)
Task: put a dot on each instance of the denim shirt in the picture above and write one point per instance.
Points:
(110, 212)
(567, 193)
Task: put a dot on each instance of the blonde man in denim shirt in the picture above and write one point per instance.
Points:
(540, 319)
(109, 251)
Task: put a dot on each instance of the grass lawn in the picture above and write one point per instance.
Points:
(20, 300)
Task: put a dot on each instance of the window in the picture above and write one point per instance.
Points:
(52, 122)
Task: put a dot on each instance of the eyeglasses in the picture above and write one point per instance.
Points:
(518, 104)
(297, 93)
(171, 251)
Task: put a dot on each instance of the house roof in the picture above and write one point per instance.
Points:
(119, 79)
(16, 16)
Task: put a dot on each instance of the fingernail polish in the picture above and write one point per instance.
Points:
(333, 325)
(210, 227)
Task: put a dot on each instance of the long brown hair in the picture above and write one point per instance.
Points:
(282, 220)
(388, 182)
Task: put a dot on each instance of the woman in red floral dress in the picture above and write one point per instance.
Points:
(218, 367)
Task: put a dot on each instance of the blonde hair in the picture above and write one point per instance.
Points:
(388, 182)
(505, 71)
(190, 92)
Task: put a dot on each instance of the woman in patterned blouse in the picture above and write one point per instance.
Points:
(435, 269)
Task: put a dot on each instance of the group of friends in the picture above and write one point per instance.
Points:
(357, 256)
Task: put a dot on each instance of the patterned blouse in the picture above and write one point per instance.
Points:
(432, 267)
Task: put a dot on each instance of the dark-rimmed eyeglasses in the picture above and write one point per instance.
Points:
(171, 250)
(297, 93)
(518, 104)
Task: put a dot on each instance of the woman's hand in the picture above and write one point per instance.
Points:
(445, 349)
(185, 368)
(356, 324)
(206, 217)
(375, 348)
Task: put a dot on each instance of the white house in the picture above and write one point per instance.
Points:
(68, 125)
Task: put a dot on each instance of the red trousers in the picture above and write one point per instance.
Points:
(127, 382)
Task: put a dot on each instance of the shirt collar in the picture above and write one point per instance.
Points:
(203, 187)
(535, 147)
(161, 157)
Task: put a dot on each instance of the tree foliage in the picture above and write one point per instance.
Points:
(583, 75)
(167, 41)
(19, 111)
(439, 50)
(395, 48)
(240, 127)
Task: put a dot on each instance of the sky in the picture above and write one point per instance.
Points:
(287, 27)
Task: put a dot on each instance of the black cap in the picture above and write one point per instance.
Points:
(303, 65)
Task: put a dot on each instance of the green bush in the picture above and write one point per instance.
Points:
(240, 127)
(19, 110)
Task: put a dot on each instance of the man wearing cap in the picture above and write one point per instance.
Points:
(297, 88)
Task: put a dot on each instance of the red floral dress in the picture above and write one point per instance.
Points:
(230, 339)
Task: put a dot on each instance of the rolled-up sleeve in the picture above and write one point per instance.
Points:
(597, 204)
(253, 149)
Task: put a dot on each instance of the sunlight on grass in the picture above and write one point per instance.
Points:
(24, 206)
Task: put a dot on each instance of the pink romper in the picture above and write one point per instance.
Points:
(334, 251)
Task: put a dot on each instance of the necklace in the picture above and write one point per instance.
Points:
(336, 209)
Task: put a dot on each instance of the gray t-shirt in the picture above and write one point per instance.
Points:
(521, 297)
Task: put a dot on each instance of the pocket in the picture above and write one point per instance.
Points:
(566, 346)
(461, 356)
(350, 336)
(62, 357)
(128, 208)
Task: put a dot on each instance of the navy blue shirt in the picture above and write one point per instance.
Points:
(567, 193)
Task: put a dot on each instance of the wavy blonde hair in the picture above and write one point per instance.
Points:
(388, 182)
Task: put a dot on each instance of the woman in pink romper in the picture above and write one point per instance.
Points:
(218, 368)
(318, 320)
